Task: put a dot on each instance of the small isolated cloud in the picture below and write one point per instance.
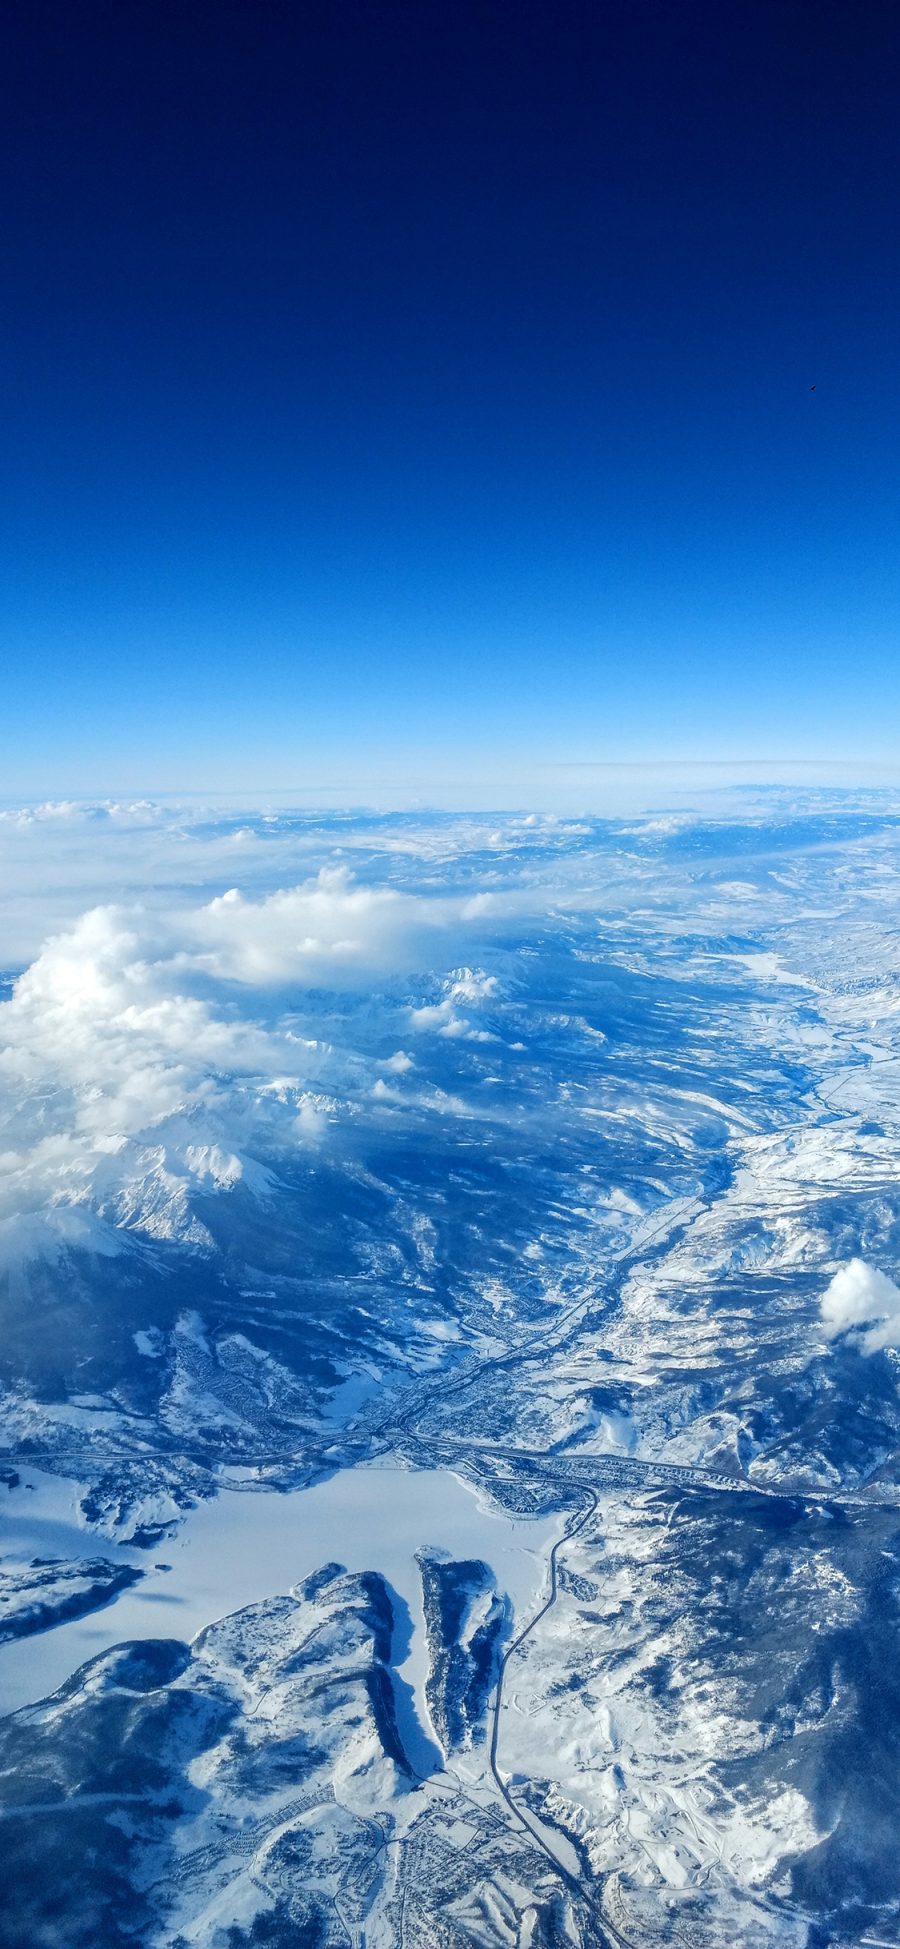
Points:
(861, 1297)
(469, 985)
(472, 985)
(435, 1015)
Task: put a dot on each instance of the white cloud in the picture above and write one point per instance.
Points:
(470, 985)
(146, 1056)
(330, 931)
(61, 858)
(142, 812)
(434, 1015)
(473, 985)
(122, 1090)
(861, 1296)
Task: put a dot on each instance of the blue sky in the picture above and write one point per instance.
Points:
(406, 392)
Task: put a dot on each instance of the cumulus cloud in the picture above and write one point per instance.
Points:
(148, 1056)
(331, 931)
(861, 1297)
(470, 985)
(121, 1089)
(63, 857)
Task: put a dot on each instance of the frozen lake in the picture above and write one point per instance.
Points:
(248, 1544)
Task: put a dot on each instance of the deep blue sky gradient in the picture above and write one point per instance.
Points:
(391, 384)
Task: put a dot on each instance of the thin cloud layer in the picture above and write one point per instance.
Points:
(59, 860)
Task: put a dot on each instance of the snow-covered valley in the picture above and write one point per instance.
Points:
(451, 1464)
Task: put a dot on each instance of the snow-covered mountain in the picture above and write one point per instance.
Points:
(450, 1387)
